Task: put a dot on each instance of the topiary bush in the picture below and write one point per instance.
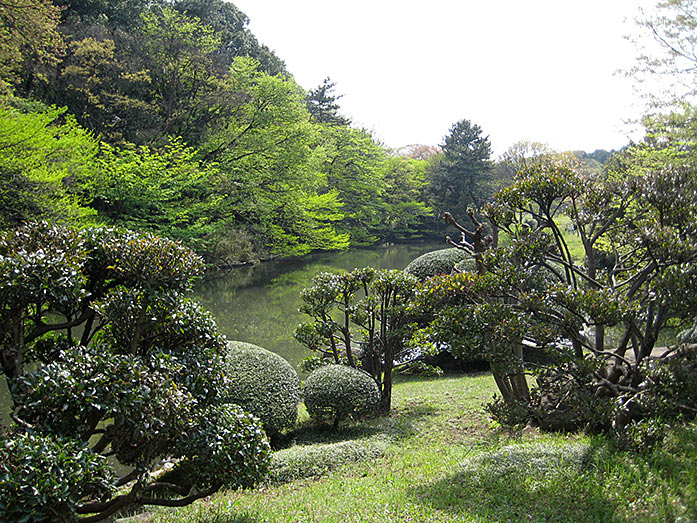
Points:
(264, 384)
(437, 262)
(337, 392)
(41, 476)
(133, 370)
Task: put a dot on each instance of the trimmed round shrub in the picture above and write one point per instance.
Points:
(43, 477)
(435, 262)
(338, 392)
(264, 384)
(227, 446)
(466, 265)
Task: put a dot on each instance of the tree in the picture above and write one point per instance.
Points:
(638, 238)
(374, 322)
(164, 190)
(125, 366)
(28, 36)
(45, 158)
(105, 87)
(354, 166)
(667, 60)
(322, 106)
(269, 170)
(461, 177)
(178, 49)
(407, 216)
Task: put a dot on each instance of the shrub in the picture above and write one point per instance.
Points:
(41, 477)
(669, 388)
(419, 368)
(641, 436)
(227, 447)
(337, 392)
(304, 461)
(264, 384)
(133, 369)
(375, 322)
(437, 262)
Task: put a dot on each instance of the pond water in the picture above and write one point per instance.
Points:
(259, 304)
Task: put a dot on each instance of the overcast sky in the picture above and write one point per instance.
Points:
(541, 70)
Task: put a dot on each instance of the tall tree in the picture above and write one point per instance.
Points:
(178, 49)
(354, 165)
(461, 178)
(28, 36)
(322, 104)
(270, 179)
(666, 65)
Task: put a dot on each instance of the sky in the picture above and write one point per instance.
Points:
(538, 70)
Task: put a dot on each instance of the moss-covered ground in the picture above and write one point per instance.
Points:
(438, 457)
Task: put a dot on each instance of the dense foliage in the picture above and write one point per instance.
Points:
(601, 316)
(41, 477)
(264, 384)
(178, 122)
(338, 392)
(100, 347)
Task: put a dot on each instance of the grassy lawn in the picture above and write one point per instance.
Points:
(438, 457)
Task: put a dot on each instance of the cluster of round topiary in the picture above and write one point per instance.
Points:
(338, 392)
(264, 384)
(437, 262)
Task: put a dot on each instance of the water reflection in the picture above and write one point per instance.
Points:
(260, 304)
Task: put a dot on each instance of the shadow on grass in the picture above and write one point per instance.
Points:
(397, 425)
(313, 451)
(533, 482)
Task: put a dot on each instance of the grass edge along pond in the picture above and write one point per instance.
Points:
(438, 457)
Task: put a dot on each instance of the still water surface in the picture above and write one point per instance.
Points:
(259, 304)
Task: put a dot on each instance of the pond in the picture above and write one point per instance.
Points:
(259, 304)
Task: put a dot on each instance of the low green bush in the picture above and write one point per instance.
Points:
(534, 461)
(305, 461)
(338, 392)
(436, 262)
(41, 476)
(227, 446)
(264, 384)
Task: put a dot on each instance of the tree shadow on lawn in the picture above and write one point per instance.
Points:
(531, 482)
(400, 423)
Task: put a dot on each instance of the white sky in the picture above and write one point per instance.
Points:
(541, 70)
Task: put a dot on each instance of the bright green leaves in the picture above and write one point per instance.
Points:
(46, 156)
(167, 191)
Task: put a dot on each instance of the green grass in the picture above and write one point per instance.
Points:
(437, 457)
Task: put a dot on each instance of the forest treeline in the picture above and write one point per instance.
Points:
(169, 116)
